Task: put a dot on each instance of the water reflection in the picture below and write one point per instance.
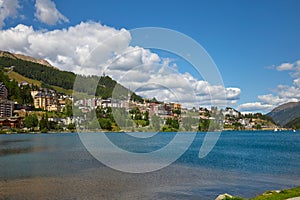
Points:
(9, 151)
(18, 146)
(9, 142)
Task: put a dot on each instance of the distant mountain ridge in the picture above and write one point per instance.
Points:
(25, 58)
(285, 113)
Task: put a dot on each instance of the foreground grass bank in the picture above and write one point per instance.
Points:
(273, 195)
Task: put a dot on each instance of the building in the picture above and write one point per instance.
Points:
(231, 112)
(177, 106)
(11, 122)
(45, 101)
(6, 108)
(3, 91)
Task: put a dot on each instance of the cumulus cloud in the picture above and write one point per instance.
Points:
(91, 48)
(289, 93)
(254, 107)
(281, 94)
(271, 99)
(69, 49)
(8, 8)
(285, 66)
(47, 13)
(297, 82)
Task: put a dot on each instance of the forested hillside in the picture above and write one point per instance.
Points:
(15, 93)
(50, 76)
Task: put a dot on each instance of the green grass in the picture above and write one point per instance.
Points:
(19, 78)
(59, 89)
(282, 195)
(273, 195)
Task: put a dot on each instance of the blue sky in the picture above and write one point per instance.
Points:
(248, 40)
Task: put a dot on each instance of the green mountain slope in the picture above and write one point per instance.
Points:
(294, 124)
(49, 76)
(285, 113)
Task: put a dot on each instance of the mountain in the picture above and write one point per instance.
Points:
(48, 76)
(25, 58)
(294, 124)
(285, 113)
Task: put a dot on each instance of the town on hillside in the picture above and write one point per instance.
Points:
(46, 110)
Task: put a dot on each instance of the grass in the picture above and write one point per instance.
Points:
(273, 195)
(59, 89)
(282, 195)
(19, 78)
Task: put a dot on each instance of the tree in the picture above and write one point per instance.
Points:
(105, 124)
(44, 123)
(146, 117)
(176, 111)
(257, 127)
(188, 122)
(68, 108)
(204, 125)
(238, 126)
(71, 126)
(31, 121)
(93, 124)
(155, 122)
(172, 123)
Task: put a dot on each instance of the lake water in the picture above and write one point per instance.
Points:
(241, 163)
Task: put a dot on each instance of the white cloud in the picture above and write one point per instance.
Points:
(285, 66)
(8, 8)
(255, 107)
(289, 92)
(271, 99)
(47, 13)
(297, 82)
(282, 94)
(233, 93)
(91, 48)
(69, 49)
(169, 85)
(297, 65)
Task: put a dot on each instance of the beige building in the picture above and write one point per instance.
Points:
(45, 101)
(177, 106)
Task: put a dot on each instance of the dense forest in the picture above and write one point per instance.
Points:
(50, 76)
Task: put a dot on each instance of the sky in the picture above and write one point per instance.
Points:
(255, 45)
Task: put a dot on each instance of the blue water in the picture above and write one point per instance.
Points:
(251, 162)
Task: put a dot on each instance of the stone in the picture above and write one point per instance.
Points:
(223, 196)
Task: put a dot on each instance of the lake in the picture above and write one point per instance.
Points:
(58, 166)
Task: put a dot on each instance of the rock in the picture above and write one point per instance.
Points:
(223, 196)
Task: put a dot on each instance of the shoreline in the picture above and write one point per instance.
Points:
(93, 131)
(283, 194)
